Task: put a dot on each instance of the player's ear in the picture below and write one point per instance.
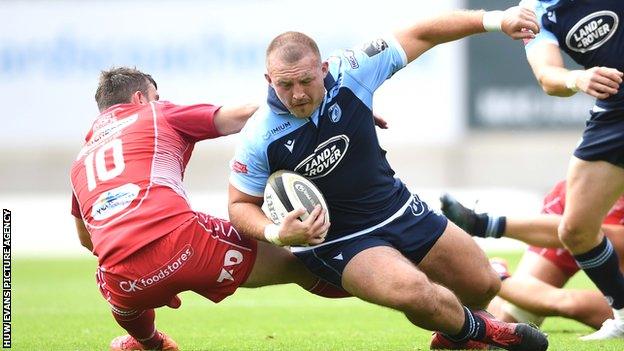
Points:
(325, 68)
(268, 78)
(138, 98)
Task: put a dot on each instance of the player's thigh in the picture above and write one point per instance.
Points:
(457, 262)
(543, 268)
(591, 189)
(382, 275)
(277, 265)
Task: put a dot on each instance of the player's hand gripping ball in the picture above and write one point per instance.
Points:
(287, 191)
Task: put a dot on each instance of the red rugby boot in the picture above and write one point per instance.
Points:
(128, 343)
(512, 336)
(440, 342)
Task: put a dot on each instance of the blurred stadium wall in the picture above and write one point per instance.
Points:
(466, 114)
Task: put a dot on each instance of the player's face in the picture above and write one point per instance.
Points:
(299, 85)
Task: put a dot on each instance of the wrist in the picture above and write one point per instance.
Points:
(570, 81)
(493, 21)
(271, 234)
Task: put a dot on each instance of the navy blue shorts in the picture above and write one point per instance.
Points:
(603, 138)
(413, 231)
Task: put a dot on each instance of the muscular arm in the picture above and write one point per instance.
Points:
(547, 64)
(541, 230)
(231, 119)
(426, 34)
(245, 213)
(83, 234)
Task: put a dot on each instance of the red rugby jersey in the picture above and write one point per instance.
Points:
(554, 202)
(127, 178)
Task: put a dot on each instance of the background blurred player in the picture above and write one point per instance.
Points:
(533, 290)
(319, 123)
(132, 211)
(589, 32)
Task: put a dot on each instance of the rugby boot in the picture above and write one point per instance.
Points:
(128, 343)
(512, 336)
(465, 218)
(441, 342)
(611, 329)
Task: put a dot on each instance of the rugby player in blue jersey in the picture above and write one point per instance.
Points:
(384, 244)
(591, 33)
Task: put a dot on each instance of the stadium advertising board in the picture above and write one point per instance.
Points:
(199, 51)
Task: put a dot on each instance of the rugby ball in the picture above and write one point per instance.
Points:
(286, 191)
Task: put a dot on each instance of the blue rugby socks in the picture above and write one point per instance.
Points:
(488, 226)
(601, 264)
(473, 328)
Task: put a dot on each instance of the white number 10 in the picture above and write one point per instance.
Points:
(100, 169)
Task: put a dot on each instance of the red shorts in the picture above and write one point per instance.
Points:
(205, 255)
(559, 257)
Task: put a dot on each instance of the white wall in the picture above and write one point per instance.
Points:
(51, 53)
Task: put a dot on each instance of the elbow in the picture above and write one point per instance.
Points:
(552, 89)
(87, 244)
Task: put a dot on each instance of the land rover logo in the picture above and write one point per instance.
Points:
(592, 31)
(325, 158)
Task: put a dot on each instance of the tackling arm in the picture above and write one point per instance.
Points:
(516, 22)
(231, 119)
(83, 234)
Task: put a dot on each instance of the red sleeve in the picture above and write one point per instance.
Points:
(193, 122)
(75, 208)
(554, 201)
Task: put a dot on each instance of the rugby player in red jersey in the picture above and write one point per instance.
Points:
(132, 211)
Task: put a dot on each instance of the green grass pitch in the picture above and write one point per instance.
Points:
(56, 306)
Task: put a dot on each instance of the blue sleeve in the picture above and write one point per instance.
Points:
(374, 62)
(544, 36)
(249, 169)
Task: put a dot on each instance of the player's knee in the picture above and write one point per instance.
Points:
(416, 296)
(482, 292)
(572, 235)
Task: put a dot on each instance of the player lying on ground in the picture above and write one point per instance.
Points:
(534, 291)
(591, 33)
(132, 211)
(384, 245)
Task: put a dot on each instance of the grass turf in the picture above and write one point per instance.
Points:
(56, 306)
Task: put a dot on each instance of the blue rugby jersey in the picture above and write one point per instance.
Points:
(590, 32)
(336, 148)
